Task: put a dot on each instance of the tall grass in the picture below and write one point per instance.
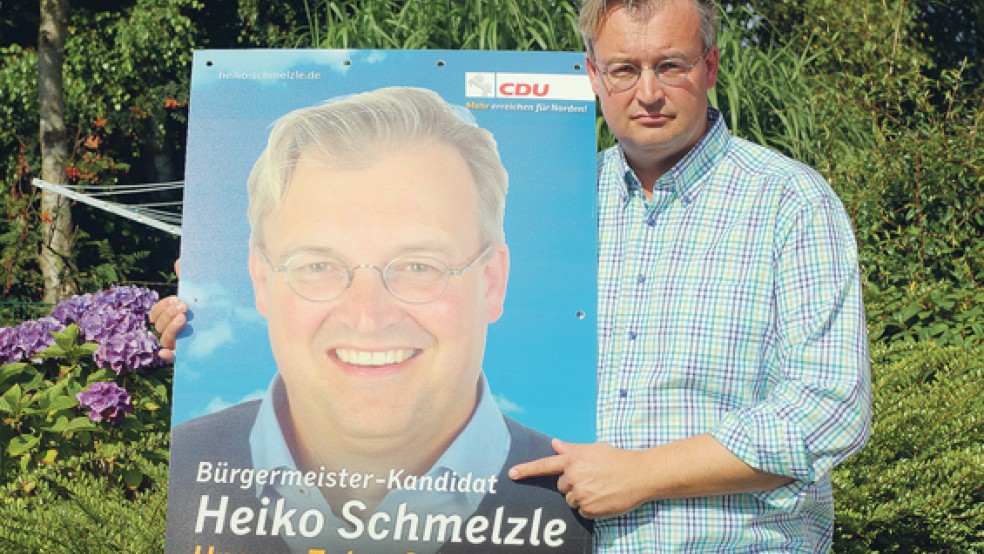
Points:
(768, 95)
(441, 24)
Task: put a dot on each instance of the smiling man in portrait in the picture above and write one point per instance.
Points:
(378, 259)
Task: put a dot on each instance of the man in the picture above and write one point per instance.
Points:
(378, 260)
(733, 369)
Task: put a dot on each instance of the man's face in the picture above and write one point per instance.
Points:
(419, 199)
(656, 124)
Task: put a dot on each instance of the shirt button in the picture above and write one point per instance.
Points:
(623, 393)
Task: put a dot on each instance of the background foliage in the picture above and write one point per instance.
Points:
(916, 486)
(881, 96)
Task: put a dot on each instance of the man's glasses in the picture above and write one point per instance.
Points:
(411, 279)
(621, 76)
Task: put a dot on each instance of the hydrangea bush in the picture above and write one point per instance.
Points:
(84, 377)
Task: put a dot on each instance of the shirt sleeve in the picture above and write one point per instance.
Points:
(819, 411)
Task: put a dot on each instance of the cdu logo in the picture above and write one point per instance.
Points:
(480, 85)
(539, 90)
(528, 86)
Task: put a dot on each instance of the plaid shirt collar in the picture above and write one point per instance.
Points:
(686, 178)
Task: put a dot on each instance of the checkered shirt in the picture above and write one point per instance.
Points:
(730, 304)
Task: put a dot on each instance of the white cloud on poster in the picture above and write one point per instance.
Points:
(217, 317)
(507, 406)
(206, 341)
(377, 56)
(218, 403)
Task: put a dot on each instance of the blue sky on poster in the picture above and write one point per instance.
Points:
(541, 356)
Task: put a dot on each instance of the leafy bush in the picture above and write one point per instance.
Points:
(939, 312)
(79, 384)
(126, 93)
(84, 419)
(71, 510)
(918, 486)
(916, 188)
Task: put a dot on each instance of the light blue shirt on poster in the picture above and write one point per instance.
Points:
(480, 449)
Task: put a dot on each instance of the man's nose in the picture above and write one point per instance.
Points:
(649, 89)
(367, 303)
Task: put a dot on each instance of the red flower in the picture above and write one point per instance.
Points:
(172, 104)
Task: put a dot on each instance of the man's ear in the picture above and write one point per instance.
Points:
(258, 274)
(496, 279)
(711, 61)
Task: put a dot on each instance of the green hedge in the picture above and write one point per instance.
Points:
(918, 486)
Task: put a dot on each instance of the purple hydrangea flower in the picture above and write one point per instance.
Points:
(128, 352)
(131, 299)
(27, 339)
(106, 402)
(8, 338)
(101, 322)
(121, 303)
(70, 310)
(118, 314)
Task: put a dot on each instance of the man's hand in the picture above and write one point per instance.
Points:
(604, 481)
(168, 317)
(595, 478)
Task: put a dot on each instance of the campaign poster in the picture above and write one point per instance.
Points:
(370, 346)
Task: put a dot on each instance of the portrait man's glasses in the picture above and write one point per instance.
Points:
(411, 279)
(621, 76)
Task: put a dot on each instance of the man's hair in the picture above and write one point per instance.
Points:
(354, 131)
(595, 12)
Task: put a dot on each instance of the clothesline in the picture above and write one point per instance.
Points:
(147, 213)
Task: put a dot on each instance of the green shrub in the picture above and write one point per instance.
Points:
(68, 509)
(918, 486)
(84, 420)
(82, 384)
(939, 312)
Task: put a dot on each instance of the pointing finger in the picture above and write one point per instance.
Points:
(551, 465)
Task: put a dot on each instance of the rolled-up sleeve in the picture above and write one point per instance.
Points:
(819, 410)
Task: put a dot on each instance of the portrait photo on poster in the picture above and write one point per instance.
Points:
(390, 266)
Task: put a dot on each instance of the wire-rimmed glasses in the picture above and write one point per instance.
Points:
(621, 76)
(413, 279)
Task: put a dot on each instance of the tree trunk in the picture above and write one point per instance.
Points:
(57, 232)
